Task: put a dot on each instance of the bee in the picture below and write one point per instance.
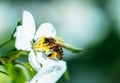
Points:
(50, 47)
(55, 47)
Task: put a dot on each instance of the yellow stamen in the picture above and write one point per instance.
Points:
(42, 40)
(41, 46)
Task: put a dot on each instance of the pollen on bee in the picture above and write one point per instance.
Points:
(54, 54)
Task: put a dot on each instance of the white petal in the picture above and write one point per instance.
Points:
(33, 60)
(46, 29)
(22, 41)
(24, 34)
(50, 75)
(45, 61)
(28, 24)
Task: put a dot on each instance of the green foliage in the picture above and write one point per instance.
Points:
(30, 70)
(66, 75)
(4, 78)
(16, 74)
(7, 47)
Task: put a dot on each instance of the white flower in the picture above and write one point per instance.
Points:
(51, 70)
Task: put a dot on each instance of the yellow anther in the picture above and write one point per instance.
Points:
(41, 46)
(42, 40)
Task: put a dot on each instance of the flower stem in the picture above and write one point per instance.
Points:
(15, 55)
(9, 57)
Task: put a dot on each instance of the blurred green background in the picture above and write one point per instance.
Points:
(93, 25)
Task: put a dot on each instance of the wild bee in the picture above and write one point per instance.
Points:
(50, 47)
(55, 47)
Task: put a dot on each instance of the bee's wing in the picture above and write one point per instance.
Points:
(67, 46)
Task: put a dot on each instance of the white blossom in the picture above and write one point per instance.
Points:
(51, 70)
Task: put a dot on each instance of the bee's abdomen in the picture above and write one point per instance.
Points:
(55, 47)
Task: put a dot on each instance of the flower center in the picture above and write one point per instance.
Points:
(40, 45)
(50, 47)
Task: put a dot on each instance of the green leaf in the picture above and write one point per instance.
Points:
(16, 74)
(10, 44)
(67, 46)
(3, 70)
(7, 46)
(66, 75)
(4, 78)
(30, 70)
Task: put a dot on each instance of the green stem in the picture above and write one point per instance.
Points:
(9, 57)
(2, 61)
(16, 55)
